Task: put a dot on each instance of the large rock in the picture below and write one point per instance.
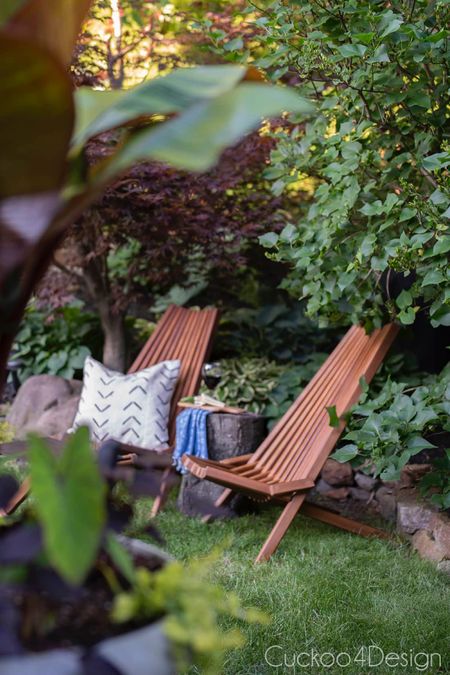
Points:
(229, 435)
(39, 395)
(331, 491)
(56, 421)
(360, 494)
(339, 493)
(412, 473)
(336, 473)
(413, 516)
(387, 502)
(427, 547)
(365, 482)
(440, 526)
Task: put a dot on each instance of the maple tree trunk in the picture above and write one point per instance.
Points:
(114, 346)
(95, 278)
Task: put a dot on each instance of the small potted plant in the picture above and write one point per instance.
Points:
(78, 597)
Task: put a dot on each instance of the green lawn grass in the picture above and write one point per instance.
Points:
(325, 590)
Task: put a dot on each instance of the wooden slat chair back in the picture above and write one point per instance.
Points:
(288, 462)
(184, 334)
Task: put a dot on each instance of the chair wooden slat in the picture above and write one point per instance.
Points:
(184, 334)
(314, 403)
(355, 366)
(289, 460)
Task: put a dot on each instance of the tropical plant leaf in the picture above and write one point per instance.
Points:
(195, 139)
(69, 494)
(98, 111)
(8, 8)
(53, 24)
(36, 119)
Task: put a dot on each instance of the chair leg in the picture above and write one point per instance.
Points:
(220, 501)
(332, 518)
(161, 499)
(287, 516)
(20, 496)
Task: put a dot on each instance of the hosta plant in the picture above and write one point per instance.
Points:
(56, 341)
(247, 382)
(390, 428)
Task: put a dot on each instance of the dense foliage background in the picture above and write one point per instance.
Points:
(373, 161)
(352, 206)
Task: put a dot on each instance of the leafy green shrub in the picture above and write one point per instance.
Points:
(57, 341)
(289, 386)
(374, 161)
(388, 429)
(279, 331)
(263, 386)
(247, 382)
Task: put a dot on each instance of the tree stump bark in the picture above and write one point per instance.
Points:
(229, 435)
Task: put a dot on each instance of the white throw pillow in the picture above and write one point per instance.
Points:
(130, 408)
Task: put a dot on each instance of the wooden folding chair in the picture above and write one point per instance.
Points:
(288, 462)
(184, 334)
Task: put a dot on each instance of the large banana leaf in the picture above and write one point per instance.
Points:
(36, 118)
(52, 24)
(195, 138)
(97, 111)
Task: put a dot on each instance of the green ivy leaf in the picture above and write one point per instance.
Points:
(350, 50)
(380, 55)
(121, 558)
(406, 214)
(390, 24)
(442, 246)
(346, 453)
(407, 316)
(269, 239)
(404, 300)
(365, 38)
(391, 472)
(433, 277)
(417, 443)
(234, 45)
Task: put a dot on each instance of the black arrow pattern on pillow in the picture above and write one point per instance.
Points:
(98, 423)
(105, 396)
(132, 403)
(102, 410)
(138, 386)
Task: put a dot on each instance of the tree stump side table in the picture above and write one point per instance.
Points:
(229, 435)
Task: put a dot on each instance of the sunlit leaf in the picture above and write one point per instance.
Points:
(333, 419)
(195, 139)
(97, 111)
